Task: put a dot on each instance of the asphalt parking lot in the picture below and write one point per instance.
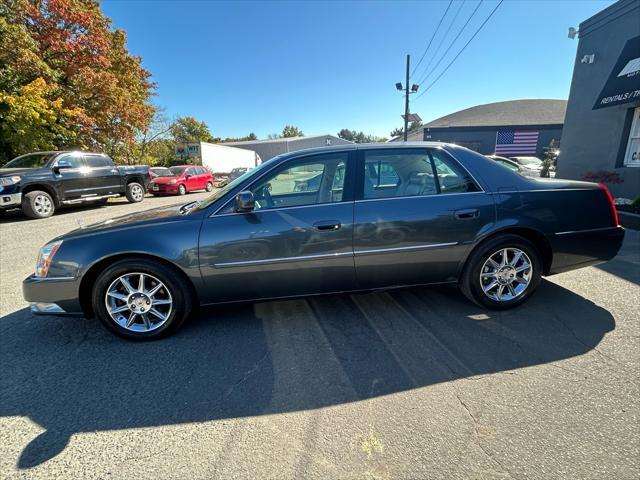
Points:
(416, 383)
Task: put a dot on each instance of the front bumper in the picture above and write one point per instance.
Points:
(10, 200)
(53, 295)
(163, 189)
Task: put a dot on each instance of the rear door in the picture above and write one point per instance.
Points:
(297, 241)
(103, 177)
(414, 223)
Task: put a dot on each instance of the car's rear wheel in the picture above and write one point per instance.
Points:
(135, 192)
(209, 186)
(141, 299)
(502, 273)
(182, 190)
(38, 204)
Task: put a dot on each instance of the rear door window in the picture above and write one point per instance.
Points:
(97, 161)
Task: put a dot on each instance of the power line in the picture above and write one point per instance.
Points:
(432, 37)
(423, 79)
(445, 35)
(462, 50)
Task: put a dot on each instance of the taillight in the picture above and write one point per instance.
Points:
(614, 211)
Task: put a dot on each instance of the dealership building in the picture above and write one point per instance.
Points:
(510, 128)
(270, 148)
(602, 124)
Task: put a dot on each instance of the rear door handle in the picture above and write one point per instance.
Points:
(466, 214)
(327, 225)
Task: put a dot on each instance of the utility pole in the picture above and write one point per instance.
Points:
(407, 91)
(406, 100)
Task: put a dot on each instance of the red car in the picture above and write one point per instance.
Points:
(182, 179)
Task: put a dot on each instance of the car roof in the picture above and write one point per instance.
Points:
(364, 146)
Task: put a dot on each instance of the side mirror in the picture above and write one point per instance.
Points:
(62, 165)
(245, 202)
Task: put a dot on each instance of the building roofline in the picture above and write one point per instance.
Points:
(607, 15)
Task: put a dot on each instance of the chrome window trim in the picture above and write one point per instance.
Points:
(284, 208)
(267, 261)
(404, 197)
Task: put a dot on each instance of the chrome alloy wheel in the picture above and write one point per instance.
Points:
(42, 204)
(506, 274)
(141, 308)
(137, 192)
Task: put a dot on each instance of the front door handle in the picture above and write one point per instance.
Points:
(327, 225)
(466, 214)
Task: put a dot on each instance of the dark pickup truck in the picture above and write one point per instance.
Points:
(39, 183)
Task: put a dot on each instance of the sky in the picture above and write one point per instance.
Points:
(256, 66)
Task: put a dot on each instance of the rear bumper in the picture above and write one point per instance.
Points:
(577, 249)
(53, 295)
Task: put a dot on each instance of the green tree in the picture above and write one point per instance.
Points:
(290, 131)
(347, 134)
(359, 137)
(100, 92)
(396, 132)
(246, 138)
(188, 129)
(30, 120)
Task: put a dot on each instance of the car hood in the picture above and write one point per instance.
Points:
(134, 220)
(6, 172)
(164, 180)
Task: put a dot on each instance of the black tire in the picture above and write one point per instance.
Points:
(38, 204)
(209, 187)
(135, 192)
(180, 293)
(182, 190)
(470, 283)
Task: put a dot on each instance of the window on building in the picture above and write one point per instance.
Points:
(632, 156)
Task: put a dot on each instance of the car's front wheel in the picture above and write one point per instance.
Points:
(141, 299)
(182, 190)
(38, 204)
(209, 186)
(502, 273)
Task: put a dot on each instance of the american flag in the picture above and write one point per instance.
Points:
(516, 142)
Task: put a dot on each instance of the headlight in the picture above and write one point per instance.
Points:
(45, 257)
(172, 182)
(4, 181)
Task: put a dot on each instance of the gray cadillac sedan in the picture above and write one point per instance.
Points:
(328, 220)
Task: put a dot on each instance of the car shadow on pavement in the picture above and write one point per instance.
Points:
(70, 376)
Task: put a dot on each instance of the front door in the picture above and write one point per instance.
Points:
(297, 241)
(415, 218)
(71, 180)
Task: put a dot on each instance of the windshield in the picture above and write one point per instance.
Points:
(221, 192)
(177, 171)
(533, 161)
(162, 172)
(30, 160)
